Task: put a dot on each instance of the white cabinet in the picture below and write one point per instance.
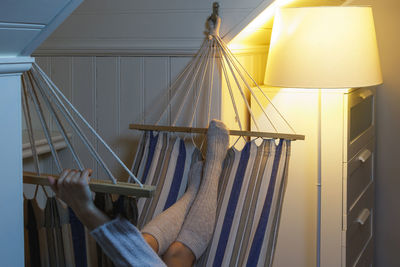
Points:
(339, 126)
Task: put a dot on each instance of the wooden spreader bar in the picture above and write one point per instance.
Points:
(101, 186)
(144, 127)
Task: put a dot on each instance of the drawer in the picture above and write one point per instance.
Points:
(359, 226)
(366, 258)
(359, 173)
(360, 119)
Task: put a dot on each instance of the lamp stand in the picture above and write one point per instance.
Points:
(319, 153)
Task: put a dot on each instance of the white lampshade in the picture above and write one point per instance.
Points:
(323, 47)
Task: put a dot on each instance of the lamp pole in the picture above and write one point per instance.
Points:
(319, 173)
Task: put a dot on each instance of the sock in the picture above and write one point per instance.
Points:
(166, 226)
(199, 224)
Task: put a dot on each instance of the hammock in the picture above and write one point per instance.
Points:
(252, 183)
(251, 190)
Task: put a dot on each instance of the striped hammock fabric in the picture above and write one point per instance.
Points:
(251, 191)
(163, 160)
(49, 234)
(33, 231)
(55, 237)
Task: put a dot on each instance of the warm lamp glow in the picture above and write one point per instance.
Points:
(323, 47)
(241, 40)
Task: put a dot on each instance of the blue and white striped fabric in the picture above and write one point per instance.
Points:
(251, 192)
(162, 160)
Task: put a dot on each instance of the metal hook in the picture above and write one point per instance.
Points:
(215, 13)
(214, 21)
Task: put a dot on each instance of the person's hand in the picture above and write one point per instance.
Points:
(73, 188)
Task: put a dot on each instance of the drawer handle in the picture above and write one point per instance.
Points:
(362, 218)
(364, 156)
(366, 94)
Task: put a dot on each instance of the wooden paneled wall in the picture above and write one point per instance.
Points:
(113, 91)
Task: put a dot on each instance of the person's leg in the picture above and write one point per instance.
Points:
(151, 241)
(178, 255)
(163, 229)
(201, 216)
(198, 227)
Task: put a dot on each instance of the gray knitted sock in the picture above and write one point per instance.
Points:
(199, 224)
(166, 226)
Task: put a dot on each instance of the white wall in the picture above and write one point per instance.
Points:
(387, 21)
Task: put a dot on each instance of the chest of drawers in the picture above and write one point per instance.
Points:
(339, 148)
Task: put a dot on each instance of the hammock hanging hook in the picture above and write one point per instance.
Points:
(214, 22)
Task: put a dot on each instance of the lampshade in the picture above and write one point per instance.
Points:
(323, 47)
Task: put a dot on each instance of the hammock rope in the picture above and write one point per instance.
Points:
(191, 81)
(211, 78)
(28, 121)
(231, 55)
(231, 59)
(57, 119)
(53, 89)
(180, 81)
(39, 112)
(199, 91)
(69, 118)
(191, 86)
(227, 80)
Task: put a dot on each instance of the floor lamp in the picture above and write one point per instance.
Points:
(323, 47)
